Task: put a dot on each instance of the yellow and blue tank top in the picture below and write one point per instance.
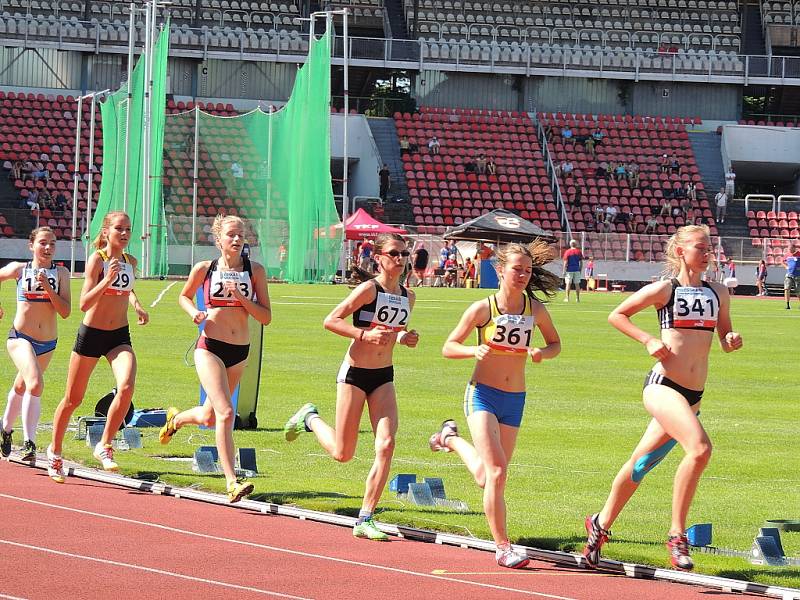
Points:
(508, 334)
(123, 282)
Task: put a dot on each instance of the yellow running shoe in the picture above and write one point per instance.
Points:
(238, 490)
(169, 429)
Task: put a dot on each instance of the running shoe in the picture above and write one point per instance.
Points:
(238, 490)
(297, 422)
(28, 452)
(367, 529)
(5, 442)
(678, 547)
(169, 429)
(597, 536)
(105, 454)
(55, 466)
(507, 557)
(438, 439)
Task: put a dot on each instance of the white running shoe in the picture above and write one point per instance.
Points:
(105, 454)
(507, 557)
(55, 466)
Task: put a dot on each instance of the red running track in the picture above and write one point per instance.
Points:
(86, 539)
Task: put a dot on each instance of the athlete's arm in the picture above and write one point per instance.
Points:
(193, 283)
(91, 293)
(11, 271)
(335, 321)
(260, 310)
(729, 340)
(653, 294)
(409, 337)
(141, 314)
(549, 333)
(454, 347)
(62, 301)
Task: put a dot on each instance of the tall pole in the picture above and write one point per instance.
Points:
(194, 180)
(150, 19)
(345, 168)
(269, 183)
(90, 183)
(131, 36)
(75, 179)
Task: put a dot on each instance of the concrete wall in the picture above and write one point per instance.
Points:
(762, 153)
(363, 179)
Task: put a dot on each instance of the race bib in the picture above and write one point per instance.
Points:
(32, 289)
(123, 282)
(695, 307)
(391, 311)
(219, 296)
(512, 333)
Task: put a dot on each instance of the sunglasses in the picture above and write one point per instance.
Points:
(396, 253)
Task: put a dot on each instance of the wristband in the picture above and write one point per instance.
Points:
(361, 336)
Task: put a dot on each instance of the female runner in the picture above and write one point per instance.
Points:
(42, 293)
(689, 310)
(234, 289)
(495, 396)
(381, 308)
(107, 291)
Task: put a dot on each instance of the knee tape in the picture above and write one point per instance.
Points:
(649, 461)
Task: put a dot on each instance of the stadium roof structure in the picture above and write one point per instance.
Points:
(361, 225)
(498, 226)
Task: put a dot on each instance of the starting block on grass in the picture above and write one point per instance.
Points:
(246, 462)
(436, 486)
(84, 423)
(429, 492)
(420, 494)
(399, 482)
(699, 535)
(205, 460)
(94, 433)
(767, 548)
(131, 438)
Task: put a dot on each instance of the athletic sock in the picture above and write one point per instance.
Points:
(31, 411)
(308, 418)
(363, 515)
(13, 409)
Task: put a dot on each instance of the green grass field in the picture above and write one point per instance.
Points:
(583, 417)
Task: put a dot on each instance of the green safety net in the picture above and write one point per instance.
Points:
(116, 139)
(270, 167)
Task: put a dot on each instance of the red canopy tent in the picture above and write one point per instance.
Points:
(360, 225)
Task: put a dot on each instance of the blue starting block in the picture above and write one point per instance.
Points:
(84, 423)
(699, 535)
(437, 487)
(767, 548)
(246, 457)
(420, 494)
(205, 459)
(399, 482)
(132, 436)
(94, 433)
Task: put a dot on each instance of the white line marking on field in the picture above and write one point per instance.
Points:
(285, 550)
(11, 597)
(161, 295)
(117, 563)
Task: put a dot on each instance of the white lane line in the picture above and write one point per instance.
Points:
(285, 550)
(161, 295)
(5, 597)
(117, 563)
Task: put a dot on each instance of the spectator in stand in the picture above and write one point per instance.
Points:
(611, 169)
(597, 136)
(721, 202)
(384, 177)
(480, 164)
(61, 201)
(237, 170)
(566, 133)
(666, 207)
(791, 282)
(16, 170)
(691, 192)
(626, 220)
(491, 167)
(46, 200)
(405, 147)
(599, 213)
(451, 271)
(548, 134)
(690, 217)
(33, 200)
(686, 206)
(589, 144)
(601, 171)
(40, 172)
(664, 165)
(433, 145)
(566, 168)
(470, 166)
(577, 199)
(632, 169)
(730, 181)
(761, 278)
(611, 213)
(26, 169)
(652, 222)
(619, 172)
(573, 259)
(675, 164)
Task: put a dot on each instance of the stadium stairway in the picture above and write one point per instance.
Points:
(753, 31)
(384, 133)
(707, 153)
(397, 19)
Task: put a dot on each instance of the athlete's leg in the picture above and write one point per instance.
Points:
(80, 369)
(679, 421)
(567, 283)
(24, 359)
(469, 455)
(202, 414)
(382, 405)
(341, 442)
(214, 378)
(489, 443)
(624, 484)
(123, 366)
(32, 403)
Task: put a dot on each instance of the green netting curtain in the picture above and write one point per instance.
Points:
(114, 113)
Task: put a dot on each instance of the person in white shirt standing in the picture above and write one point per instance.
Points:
(721, 200)
(730, 181)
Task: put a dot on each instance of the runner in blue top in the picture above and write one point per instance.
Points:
(791, 283)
